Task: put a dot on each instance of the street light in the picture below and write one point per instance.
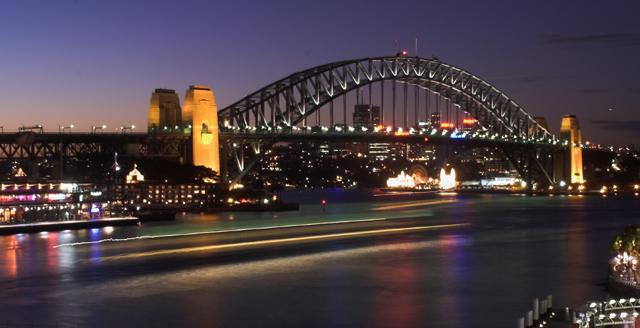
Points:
(94, 128)
(124, 128)
(62, 128)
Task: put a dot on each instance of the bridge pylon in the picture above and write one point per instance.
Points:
(200, 114)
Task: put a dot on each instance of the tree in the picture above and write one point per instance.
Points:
(628, 241)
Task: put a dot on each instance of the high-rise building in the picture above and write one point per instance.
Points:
(570, 137)
(165, 115)
(435, 120)
(366, 116)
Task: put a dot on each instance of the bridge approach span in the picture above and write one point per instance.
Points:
(32, 145)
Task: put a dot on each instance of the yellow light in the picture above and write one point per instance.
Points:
(274, 241)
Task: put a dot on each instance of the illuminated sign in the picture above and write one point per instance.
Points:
(56, 196)
(468, 121)
(95, 210)
(447, 125)
(401, 133)
(96, 193)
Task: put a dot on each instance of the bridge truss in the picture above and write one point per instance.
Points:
(305, 98)
(31, 145)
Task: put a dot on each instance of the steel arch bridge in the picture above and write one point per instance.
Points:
(282, 109)
(290, 101)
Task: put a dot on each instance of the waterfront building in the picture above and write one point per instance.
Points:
(447, 181)
(158, 195)
(138, 194)
(401, 181)
(59, 201)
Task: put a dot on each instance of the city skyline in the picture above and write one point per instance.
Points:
(98, 63)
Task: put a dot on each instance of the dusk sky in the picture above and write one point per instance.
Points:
(98, 62)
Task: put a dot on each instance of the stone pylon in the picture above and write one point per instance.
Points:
(570, 137)
(165, 115)
(201, 114)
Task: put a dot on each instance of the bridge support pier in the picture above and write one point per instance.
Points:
(535, 166)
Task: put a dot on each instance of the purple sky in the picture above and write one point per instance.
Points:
(97, 62)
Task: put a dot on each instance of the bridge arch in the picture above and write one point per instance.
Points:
(288, 102)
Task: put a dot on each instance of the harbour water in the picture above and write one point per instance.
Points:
(504, 251)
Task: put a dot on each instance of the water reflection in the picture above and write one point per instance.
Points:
(397, 300)
(13, 251)
(483, 275)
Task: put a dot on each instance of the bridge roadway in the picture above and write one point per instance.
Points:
(47, 145)
(437, 138)
(530, 156)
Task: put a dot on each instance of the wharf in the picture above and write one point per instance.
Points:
(10, 229)
(556, 320)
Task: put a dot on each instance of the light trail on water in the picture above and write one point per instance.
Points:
(420, 203)
(212, 232)
(270, 242)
